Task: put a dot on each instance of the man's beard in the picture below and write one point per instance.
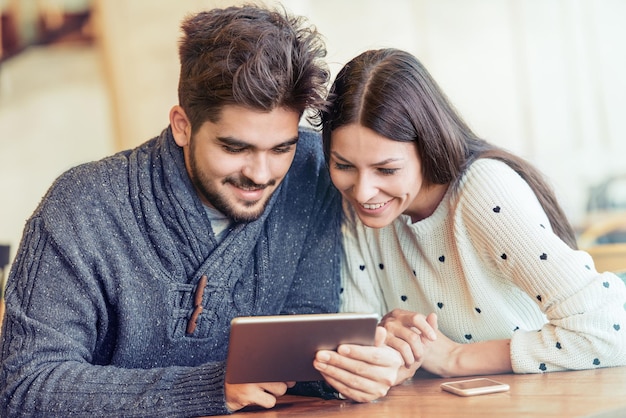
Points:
(219, 201)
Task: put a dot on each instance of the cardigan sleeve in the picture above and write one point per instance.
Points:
(50, 365)
(584, 308)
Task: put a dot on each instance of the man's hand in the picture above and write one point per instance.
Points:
(360, 373)
(263, 394)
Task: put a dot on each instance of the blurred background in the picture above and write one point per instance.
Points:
(81, 79)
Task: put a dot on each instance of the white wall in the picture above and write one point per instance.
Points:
(543, 78)
(539, 77)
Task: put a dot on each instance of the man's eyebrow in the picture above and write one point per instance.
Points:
(229, 140)
(289, 142)
(234, 142)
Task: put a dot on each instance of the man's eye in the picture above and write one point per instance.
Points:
(232, 150)
(283, 150)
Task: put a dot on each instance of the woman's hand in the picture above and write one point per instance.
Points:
(411, 334)
(360, 373)
(421, 344)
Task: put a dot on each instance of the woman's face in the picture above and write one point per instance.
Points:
(380, 177)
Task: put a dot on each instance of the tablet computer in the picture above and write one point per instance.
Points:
(281, 348)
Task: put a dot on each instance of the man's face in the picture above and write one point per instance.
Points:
(237, 163)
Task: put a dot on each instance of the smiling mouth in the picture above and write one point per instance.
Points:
(373, 206)
(250, 189)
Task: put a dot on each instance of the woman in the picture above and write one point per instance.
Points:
(440, 222)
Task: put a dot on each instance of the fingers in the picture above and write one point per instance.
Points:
(265, 400)
(263, 394)
(352, 386)
(362, 392)
(381, 335)
(405, 373)
(276, 388)
(425, 326)
(361, 373)
(432, 321)
(408, 332)
(406, 342)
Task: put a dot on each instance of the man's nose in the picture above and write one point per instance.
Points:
(258, 168)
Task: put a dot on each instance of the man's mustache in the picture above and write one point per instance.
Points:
(247, 184)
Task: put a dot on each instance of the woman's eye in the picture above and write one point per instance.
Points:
(388, 171)
(342, 167)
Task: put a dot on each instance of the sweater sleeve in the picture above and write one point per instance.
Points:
(50, 365)
(584, 308)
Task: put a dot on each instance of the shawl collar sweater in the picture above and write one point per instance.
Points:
(105, 284)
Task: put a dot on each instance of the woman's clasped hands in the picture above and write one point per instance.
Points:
(414, 336)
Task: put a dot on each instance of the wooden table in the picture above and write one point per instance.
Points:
(597, 393)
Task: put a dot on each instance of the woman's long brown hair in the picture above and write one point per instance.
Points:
(390, 92)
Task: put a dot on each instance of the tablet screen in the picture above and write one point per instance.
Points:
(281, 348)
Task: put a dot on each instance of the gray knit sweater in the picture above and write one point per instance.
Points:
(100, 294)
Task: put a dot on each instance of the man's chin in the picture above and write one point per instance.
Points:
(247, 212)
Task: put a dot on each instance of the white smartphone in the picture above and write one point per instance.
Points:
(471, 387)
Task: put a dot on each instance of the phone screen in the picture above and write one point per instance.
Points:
(473, 384)
(472, 387)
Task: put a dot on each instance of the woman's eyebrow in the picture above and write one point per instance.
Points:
(383, 162)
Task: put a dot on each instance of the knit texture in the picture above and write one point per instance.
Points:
(102, 289)
(487, 263)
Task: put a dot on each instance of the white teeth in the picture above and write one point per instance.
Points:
(372, 206)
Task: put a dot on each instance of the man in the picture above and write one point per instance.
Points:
(131, 268)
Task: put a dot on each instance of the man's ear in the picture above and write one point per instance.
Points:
(181, 127)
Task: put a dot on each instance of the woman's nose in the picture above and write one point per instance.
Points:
(364, 188)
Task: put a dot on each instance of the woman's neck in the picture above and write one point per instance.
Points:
(426, 202)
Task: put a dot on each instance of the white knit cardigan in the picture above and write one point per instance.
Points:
(487, 262)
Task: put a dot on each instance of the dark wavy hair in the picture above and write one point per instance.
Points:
(253, 57)
(390, 92)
